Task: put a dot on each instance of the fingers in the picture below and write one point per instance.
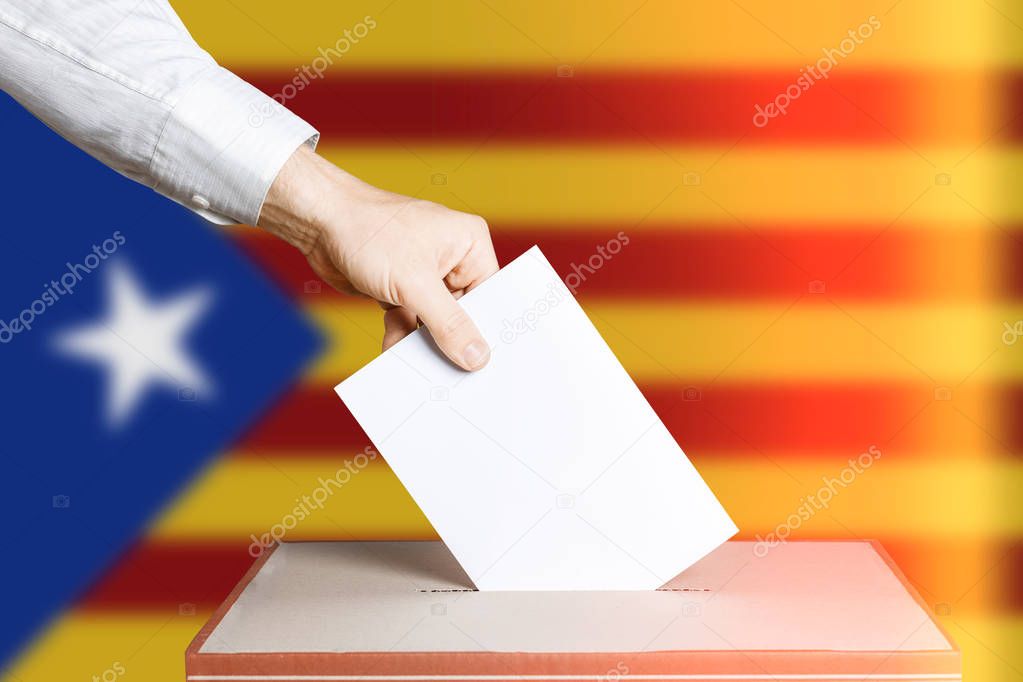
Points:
(454, 332)
(398, 323)
(477, 265)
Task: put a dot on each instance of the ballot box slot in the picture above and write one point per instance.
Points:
(397, 612)
(466, 589)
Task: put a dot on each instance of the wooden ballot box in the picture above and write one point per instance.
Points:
(395, 611)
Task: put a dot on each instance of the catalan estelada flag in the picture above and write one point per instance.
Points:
(797, 224)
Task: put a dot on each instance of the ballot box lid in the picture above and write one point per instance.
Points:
(389, 611)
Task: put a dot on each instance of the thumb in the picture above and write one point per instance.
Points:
(449, 325)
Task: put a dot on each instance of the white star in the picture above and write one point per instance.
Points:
(140, 344)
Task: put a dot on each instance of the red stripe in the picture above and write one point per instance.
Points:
(169, 575)
(770, 263)
(667, 106)
(808, 420)
(1006, 424)
(1006, 258)
(172, 576)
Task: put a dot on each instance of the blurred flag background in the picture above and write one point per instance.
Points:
(797, 224)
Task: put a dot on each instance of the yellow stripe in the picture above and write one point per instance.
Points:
(699, 342)
(151, 647)
(990, 645)
(629, 184)
(506, 33)
(238, 498)
(148, 647)
(949, 498)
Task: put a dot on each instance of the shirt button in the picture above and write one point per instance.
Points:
(200, 201)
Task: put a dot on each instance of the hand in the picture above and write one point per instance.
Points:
(415, 257)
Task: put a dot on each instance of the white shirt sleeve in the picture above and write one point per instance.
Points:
(124, 81)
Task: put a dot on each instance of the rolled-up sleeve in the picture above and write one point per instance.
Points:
(124, 81)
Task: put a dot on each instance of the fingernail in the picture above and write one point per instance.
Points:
(475, 354)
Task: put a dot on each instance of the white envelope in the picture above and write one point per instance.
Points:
(547, 469)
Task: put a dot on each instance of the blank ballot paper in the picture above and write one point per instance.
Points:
(547, 469)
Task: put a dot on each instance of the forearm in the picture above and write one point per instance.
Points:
(147, 101)
(314, 203)
(307, 192)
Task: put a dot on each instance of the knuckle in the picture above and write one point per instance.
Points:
(480, 225)
(457, 322)
(404, 285)
(459, 280)
(397, 293)
(423, 205)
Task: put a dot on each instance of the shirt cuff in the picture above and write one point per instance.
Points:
(223, 145)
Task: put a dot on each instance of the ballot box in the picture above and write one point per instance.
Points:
(393, 611)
